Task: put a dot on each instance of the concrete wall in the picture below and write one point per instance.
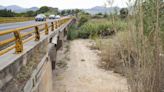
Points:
(14, 77)
(44, 81)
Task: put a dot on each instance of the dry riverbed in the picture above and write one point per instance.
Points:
(77, 71)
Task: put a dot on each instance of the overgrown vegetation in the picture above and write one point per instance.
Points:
(147, 46)
(95, 28)
(137, 50)
(73, 34)
(101, 27)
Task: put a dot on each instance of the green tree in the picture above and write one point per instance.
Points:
(63, 12)
(68, 12)
(124, 13)
(76, 12)
(73, 12)
(30, 14)
(99, 13)
(43, 9)
(105, 15)
(7, 13)
(52, 10)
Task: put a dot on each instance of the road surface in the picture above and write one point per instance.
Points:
(8, 26)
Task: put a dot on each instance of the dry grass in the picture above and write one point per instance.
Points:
(111, 51)
(123, 54)
(136, 52)
(14, 19)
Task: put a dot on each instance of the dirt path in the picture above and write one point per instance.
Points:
(78, 71)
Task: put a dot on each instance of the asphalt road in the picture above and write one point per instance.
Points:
(8, 26)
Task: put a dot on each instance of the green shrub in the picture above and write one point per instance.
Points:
(72, 33)
(124, 13)
(100, 28)
(95, 28)
(82, 20)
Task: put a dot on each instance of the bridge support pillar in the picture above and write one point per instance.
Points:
(52, 54)
(60, 40)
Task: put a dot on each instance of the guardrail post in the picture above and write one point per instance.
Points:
(46, 29)
(37, 34)
(59, 23)
(18, 42)
(52, 26)
(56, 25)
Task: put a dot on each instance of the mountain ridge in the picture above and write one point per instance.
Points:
(101, 9)
(17, 8)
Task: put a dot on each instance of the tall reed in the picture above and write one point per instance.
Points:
(145, 74)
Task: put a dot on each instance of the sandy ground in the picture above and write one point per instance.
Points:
(77, 71)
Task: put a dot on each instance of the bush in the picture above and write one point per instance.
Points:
(124, 13)
(72, 33)
(82, 20)
(100, 28)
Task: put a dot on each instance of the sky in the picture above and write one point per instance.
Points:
(62, 4)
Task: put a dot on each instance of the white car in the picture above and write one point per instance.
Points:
(57, 17)
(40, 17)
(52, 17)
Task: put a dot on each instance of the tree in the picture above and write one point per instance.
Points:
(7, 13)
(73, 12)
(63, 12)
(77, 11)
(105, 15)
(43, 9)
(124, 13)
(68, 12)
(30, 14)
(99, 14)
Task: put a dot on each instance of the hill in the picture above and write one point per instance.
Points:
(101, 9)
(18, 9)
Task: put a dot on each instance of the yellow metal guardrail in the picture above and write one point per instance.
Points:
(20, 38)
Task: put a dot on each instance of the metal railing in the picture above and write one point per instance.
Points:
(20, 38)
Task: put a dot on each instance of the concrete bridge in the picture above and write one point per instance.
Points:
(28, 58)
